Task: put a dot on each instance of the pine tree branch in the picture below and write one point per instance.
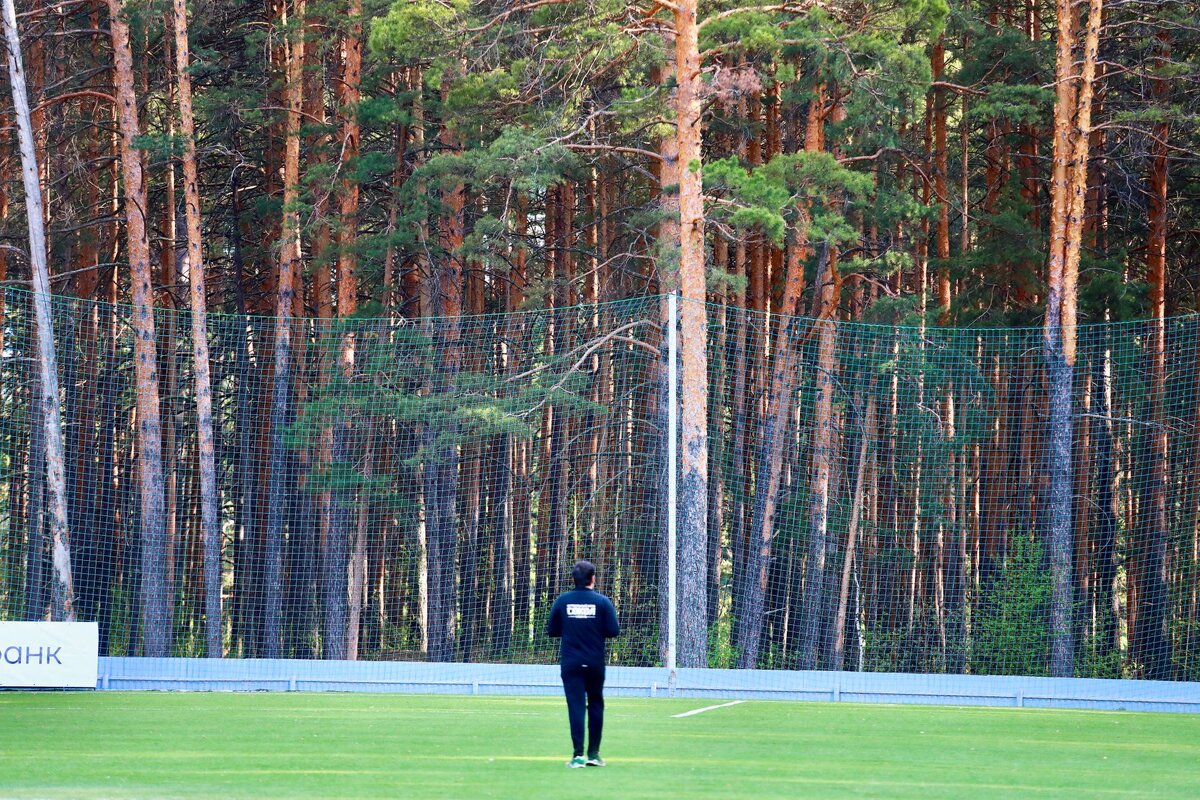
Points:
(955, 87)
(108, 98)
(499, 18)
(615, 149)
(659, 5)
(732, 12)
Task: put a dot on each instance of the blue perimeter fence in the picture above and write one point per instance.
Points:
(190, 674)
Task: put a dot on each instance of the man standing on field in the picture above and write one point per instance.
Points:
(584, 619)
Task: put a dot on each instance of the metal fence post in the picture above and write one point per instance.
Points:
(672, 470)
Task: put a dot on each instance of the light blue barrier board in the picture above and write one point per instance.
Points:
(248, 675)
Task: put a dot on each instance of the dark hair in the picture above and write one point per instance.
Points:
(583, 572)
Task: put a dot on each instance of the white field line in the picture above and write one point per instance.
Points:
(706, 708)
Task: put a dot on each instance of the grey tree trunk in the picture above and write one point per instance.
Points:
(739, 478)
(246, 529)
(1060, 531)
(336, 556)
(103, 568)
(815, 624)
(441, 489)
(62, 589)
(1105, 468)
(866, 437)
(35, 509)
(441, 484)
(772, 436)
(502, 562)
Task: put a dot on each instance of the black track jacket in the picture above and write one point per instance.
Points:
(584, 618)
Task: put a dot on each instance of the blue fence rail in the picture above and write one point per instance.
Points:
(190, 674)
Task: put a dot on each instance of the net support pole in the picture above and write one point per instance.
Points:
(672, 473)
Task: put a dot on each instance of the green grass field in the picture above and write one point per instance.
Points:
(155, 745)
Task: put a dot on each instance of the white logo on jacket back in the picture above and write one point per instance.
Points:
(581, 610)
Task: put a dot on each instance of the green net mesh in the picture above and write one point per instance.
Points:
(877, 495)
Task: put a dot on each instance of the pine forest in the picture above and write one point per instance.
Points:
(341, 328)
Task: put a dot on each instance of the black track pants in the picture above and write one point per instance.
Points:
(584, 687)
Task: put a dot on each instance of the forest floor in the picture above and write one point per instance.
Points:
(296, 745)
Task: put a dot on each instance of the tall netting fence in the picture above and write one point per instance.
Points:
(420, 492)
(416, 489)
(879, 498)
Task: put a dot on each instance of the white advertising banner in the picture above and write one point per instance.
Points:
(48, 655)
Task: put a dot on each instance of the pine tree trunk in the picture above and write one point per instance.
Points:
(5, 167)
(590, 488)
(561, 440)
(1150, 643)
(246, 529)
(1192, 638)
(441, 479)
(441, 467)
(951, 578)
(209, 498)
(106, 460)
(550, 533)
(154, 599)
(345, 599)
(693, 331)
(501, 627)
(282, 483)
(913, 515)
(772, 434)
(814, 625)
(739, 478)
(718, 401)
(321, 253)
(1072, 126)
(471, 484)
(522, 568)
(89, 537)
(865, 438)
(35, 505)
(168, 276)
(1108, 639)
